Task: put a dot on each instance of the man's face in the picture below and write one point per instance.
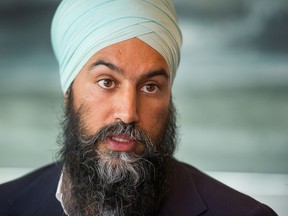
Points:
(129, 82)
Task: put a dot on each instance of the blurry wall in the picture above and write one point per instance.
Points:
(231, 89)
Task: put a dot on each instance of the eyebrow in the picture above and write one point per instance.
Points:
(113, 67)
(150, 74)
(110, 65)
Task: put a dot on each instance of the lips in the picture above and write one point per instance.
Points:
(119, 139)
(120, 143)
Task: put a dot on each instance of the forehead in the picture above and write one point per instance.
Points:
(130, 53)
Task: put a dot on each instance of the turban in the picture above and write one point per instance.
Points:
(80, 28)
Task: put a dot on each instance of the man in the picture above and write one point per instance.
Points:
(117, 63)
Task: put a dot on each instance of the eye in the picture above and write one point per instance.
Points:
(106, 83)
(150, 88)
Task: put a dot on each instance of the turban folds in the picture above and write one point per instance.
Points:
(80, 28)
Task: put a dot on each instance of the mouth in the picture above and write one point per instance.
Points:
(120, 143)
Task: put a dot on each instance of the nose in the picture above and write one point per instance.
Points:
(126, 107)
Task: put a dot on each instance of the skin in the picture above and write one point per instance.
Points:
(128, 81)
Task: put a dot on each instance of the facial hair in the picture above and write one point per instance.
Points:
(114, 183)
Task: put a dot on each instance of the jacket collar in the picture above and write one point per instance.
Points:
(39, 194)
(183, 198)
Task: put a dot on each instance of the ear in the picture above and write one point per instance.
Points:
(66, 96)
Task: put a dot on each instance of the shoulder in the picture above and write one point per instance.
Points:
(12, 188)
(218, 198)
(35, 187)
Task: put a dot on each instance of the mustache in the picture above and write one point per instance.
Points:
(120, 128)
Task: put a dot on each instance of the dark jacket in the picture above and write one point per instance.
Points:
(192, 193)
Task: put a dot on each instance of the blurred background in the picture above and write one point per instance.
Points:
(231, 92)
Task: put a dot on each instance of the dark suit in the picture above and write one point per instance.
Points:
(191, 193)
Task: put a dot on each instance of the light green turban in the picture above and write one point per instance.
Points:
(80, 28)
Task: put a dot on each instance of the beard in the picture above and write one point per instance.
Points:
(110, 182)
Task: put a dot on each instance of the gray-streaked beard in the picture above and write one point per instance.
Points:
(116, 166)
(109, 182)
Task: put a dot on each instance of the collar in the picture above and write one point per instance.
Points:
(59, 194)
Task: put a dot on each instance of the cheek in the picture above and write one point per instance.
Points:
(154, 120)
(95, 115)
